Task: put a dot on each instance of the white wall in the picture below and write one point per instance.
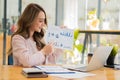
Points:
(1, 10)
(71, 13)
(12, 8)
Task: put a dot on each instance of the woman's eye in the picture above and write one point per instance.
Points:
(40, 21)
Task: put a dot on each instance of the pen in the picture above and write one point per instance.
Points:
(36, 67)
(59, 72)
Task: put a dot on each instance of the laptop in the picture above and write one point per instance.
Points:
(97, 61)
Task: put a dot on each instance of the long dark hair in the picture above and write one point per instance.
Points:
(26, 20)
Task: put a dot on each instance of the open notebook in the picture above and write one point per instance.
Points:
(97, 61)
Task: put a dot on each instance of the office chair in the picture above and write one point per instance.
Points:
(10, 59)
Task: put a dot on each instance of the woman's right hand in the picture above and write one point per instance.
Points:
(48, 49)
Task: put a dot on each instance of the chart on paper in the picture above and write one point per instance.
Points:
(62, 37)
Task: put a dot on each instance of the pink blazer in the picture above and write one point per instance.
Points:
(26, 54)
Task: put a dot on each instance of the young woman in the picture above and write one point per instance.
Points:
(28, 46)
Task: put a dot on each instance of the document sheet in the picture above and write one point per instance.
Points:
(59, 71)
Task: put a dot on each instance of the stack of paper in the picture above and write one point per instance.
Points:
(59, 71)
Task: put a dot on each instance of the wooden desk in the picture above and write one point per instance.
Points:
(88, 37)
(14, 73)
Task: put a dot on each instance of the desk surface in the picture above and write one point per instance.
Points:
(101, 31)
(14, 73)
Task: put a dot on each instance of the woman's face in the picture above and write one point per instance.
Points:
(38, 23)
